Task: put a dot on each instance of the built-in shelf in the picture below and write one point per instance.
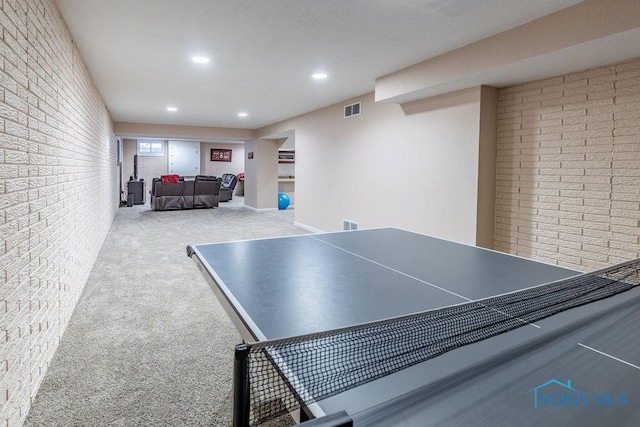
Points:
(286, 156)
(287, 185)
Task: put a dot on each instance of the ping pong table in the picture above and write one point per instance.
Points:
(580, 366)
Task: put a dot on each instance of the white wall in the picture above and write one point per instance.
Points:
(250, 174)
(261, 174)
(413, 166)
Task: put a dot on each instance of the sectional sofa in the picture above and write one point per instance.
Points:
(176, 193)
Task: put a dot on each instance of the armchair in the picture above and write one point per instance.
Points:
(227, 186)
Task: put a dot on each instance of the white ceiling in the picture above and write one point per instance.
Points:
(264, 52)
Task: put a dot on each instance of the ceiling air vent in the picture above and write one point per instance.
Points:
(352, 110)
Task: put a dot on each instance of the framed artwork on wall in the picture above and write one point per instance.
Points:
(220, 155)
(286, 156)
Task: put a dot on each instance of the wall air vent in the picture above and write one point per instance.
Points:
(348, 225)
(352, 109)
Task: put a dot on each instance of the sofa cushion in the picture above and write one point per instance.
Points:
(206, 192)
(187, 194)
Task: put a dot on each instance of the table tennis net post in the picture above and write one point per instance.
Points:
(277, 377)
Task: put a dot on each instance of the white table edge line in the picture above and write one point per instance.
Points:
(609, 356)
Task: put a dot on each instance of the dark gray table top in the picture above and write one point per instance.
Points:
(303, 284)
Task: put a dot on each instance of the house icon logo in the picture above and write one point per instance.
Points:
(537, 389)
(556, 394)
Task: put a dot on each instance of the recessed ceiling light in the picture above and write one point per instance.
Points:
(172, 109)
(319, 76)
(200, 59)
(242, 114)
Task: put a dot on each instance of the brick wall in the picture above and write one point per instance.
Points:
(568, 168)
(58, 192)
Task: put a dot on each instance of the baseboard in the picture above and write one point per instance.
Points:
(261, 209)
(307, 227)
(267, 209)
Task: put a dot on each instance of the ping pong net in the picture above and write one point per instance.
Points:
(276, 377)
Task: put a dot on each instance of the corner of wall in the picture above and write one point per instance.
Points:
(487, 166)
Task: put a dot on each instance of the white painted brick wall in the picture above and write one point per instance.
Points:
(568, 168)
(58, 192)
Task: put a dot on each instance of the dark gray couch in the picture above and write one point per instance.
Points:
(203, 192)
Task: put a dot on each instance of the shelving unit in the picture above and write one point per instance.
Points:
(286, 171)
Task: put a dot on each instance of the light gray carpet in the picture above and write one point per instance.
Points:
(148, 343)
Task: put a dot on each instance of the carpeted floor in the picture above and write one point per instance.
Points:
(148, 343)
